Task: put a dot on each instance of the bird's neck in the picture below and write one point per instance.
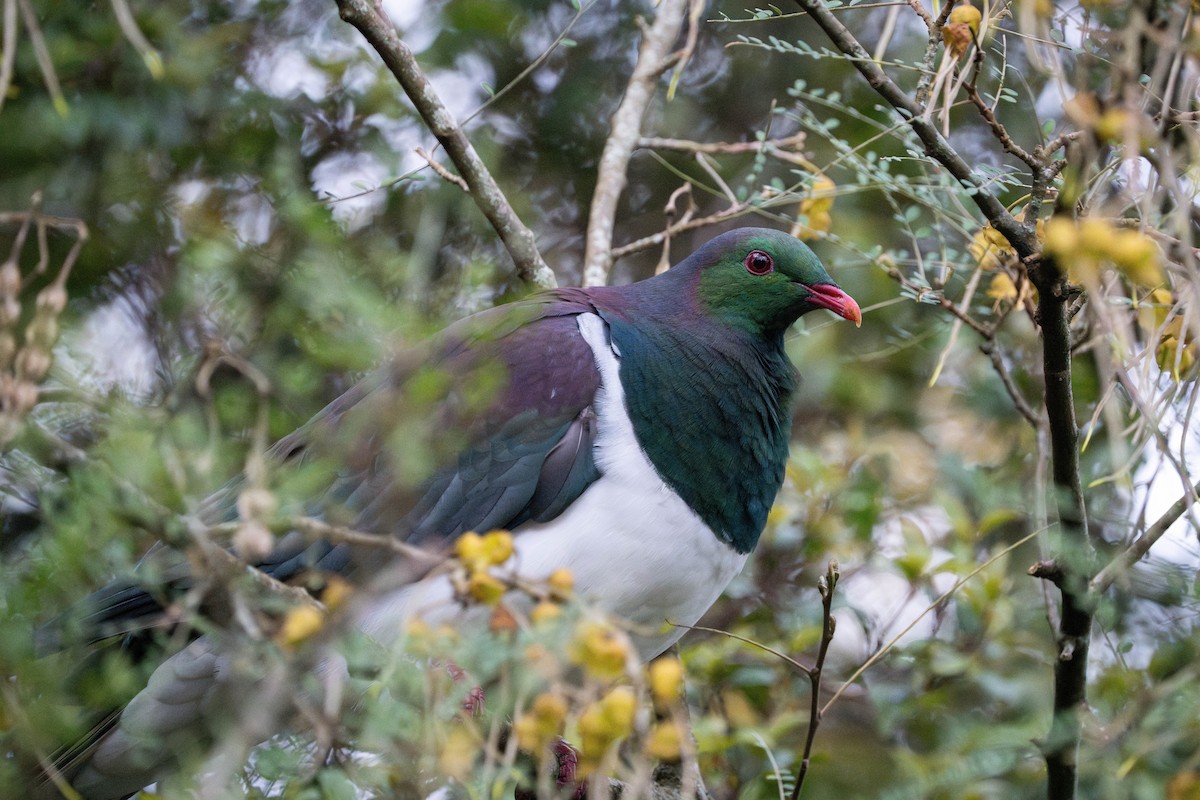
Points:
(711, 408)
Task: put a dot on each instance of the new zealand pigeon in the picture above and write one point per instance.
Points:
(635, 435)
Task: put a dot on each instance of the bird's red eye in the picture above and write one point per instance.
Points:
(758, 263)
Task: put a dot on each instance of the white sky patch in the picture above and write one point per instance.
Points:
(403, 136)
(461, 89)
(110, 351)
(1161, 485)
(351, 176)
(286, 72)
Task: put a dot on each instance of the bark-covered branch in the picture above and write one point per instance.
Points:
(653, 60)
(371, 21)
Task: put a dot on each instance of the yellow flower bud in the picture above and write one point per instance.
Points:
(603, 723)
(664, 742)
(1062, 236)
(485, 588)
(336, 592)
(299, 624)
(545, 611)
(619, 707)
(1002, 288)
(470, 550)
(967, 14)
(561, 581)
(457, 754)
(666, 680)
(1137, 257)
(544, 720)
(961, 28)
(1097, 236)
(1153, 309)
(600, 649)
(497, 547)
(816, 209)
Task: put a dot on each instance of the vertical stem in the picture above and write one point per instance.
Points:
(1075, 554)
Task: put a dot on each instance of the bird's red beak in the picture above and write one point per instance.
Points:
(826, 295)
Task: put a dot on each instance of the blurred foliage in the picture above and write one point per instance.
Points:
(262, 233)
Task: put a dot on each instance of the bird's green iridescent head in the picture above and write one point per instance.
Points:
(762, 280)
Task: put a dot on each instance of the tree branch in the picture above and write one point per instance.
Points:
(371, 21)
(1019, 234)
(653, 61)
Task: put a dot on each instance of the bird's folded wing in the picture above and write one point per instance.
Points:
(489, 425)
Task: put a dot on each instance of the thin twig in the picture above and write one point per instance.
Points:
(319, 529)
(826, 587)
(932, 45)
(221, 559)
(653, 61)
(1132, 554)
(654, 240)
(1033, 160)
(720, 148)
(990, 349)
(442, 172)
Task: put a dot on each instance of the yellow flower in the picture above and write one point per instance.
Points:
(538, 726)
(470, 550)
(457, 754)
(300, 623)
(1061, 236)
(1082, 247)
(336, 592)
(666, 680)
(1137, 257)
(816, 209)
(961, 29)
(664, 742)
(600, 649)
(1002, 288)
(485, 588)
(603, 723)
(498, 547)
(545, 611)
(989, 248)
(561, 581)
